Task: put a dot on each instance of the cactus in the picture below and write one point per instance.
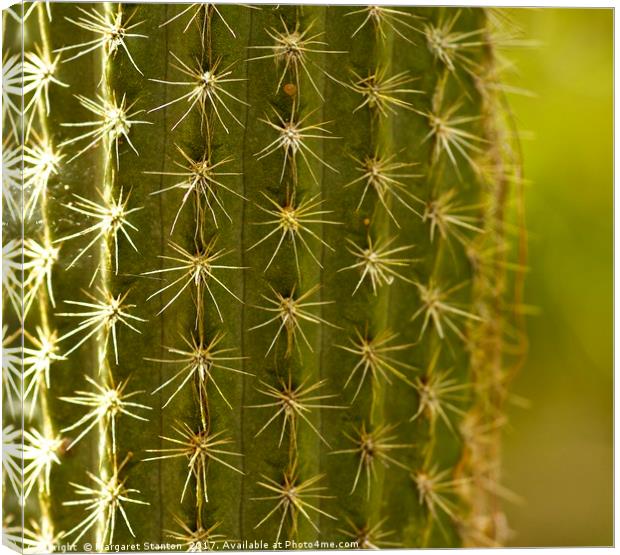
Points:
(269, 275)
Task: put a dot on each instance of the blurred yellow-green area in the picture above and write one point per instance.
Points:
(558, 452)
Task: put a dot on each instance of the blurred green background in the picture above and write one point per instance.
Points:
(558, 452)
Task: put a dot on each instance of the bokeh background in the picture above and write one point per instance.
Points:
(558, 452)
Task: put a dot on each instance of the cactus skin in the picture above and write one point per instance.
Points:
(399, 450)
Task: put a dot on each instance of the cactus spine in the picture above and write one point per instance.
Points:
(266, 290)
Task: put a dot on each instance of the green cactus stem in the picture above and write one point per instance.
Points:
(266, 286)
